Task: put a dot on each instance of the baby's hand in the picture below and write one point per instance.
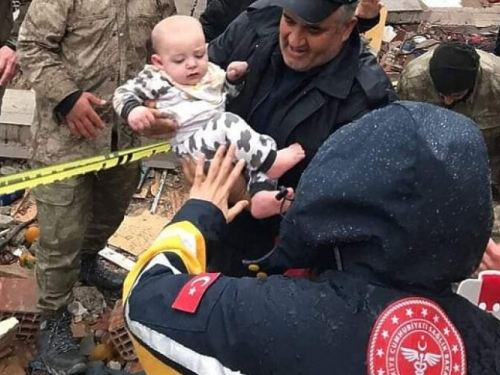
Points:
(140, 119)
(236, 70)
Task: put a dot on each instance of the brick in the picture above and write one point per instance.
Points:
(15, 271)
(102, 324)
(119, 335)
(79, 330)
(19, 297)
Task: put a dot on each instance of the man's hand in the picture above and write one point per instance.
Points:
(140, 119)
(217, 185)
(8, 65)
(491, 257)
(238, 192)
(236, 70)
(368, 9)
(82, 120)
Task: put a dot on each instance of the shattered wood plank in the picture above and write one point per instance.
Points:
(376, 33)
(117, 258)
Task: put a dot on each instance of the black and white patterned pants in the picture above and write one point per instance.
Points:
(258, 151)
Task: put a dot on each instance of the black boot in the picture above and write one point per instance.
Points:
(93, 273)
(57, 348)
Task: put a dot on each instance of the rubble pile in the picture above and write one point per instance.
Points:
(97, 322)
(403, 43)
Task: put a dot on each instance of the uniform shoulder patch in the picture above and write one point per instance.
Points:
(192, 292)
(414, 336)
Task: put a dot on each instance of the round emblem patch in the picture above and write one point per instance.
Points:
(414, 336)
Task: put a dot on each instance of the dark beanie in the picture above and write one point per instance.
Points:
(453, 67)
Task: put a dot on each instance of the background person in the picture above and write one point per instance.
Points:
(75, 55)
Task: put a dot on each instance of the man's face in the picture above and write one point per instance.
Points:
(305, 46)
(450, 100)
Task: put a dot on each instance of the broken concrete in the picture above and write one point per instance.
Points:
(90, 299)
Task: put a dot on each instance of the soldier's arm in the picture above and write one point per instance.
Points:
(402, 88)
(148, 85)
(39, 45)
(12, 41)
(167, 8)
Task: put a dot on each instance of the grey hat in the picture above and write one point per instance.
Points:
(312, 11)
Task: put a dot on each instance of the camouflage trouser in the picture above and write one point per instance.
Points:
(77, 216)
(258, 150)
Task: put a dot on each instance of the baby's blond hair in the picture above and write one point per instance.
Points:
(170, 26)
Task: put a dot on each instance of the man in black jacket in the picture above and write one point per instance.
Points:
(308, 76)
(393, 209)
(220, 13)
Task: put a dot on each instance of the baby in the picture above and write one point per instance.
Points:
(188, 88)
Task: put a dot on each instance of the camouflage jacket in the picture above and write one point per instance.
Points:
(88, 45)
(482, 106)
(8, 28)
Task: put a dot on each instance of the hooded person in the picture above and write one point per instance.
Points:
(400, 201)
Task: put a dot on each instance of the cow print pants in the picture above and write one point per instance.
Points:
(258, 151)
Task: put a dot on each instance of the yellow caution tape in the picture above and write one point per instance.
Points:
(53, 173)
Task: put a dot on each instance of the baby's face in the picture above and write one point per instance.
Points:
(185, 57)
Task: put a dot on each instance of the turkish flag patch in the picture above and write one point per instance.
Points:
(192, 292)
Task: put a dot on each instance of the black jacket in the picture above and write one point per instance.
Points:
(404, 196)
(220, 13)
(337, 93)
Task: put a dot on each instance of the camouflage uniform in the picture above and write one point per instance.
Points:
(9, 29)
(482, 106)
(68, 46)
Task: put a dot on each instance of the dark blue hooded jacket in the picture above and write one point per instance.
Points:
(400, 201)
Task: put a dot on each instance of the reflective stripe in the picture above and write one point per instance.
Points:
(160, 259)
(176, 352)
(188, 239)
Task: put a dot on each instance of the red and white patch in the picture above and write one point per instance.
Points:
(483, 292)
(192, 292)
(414, 336)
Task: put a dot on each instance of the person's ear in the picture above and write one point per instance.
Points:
(348, 28)
(157, 61)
